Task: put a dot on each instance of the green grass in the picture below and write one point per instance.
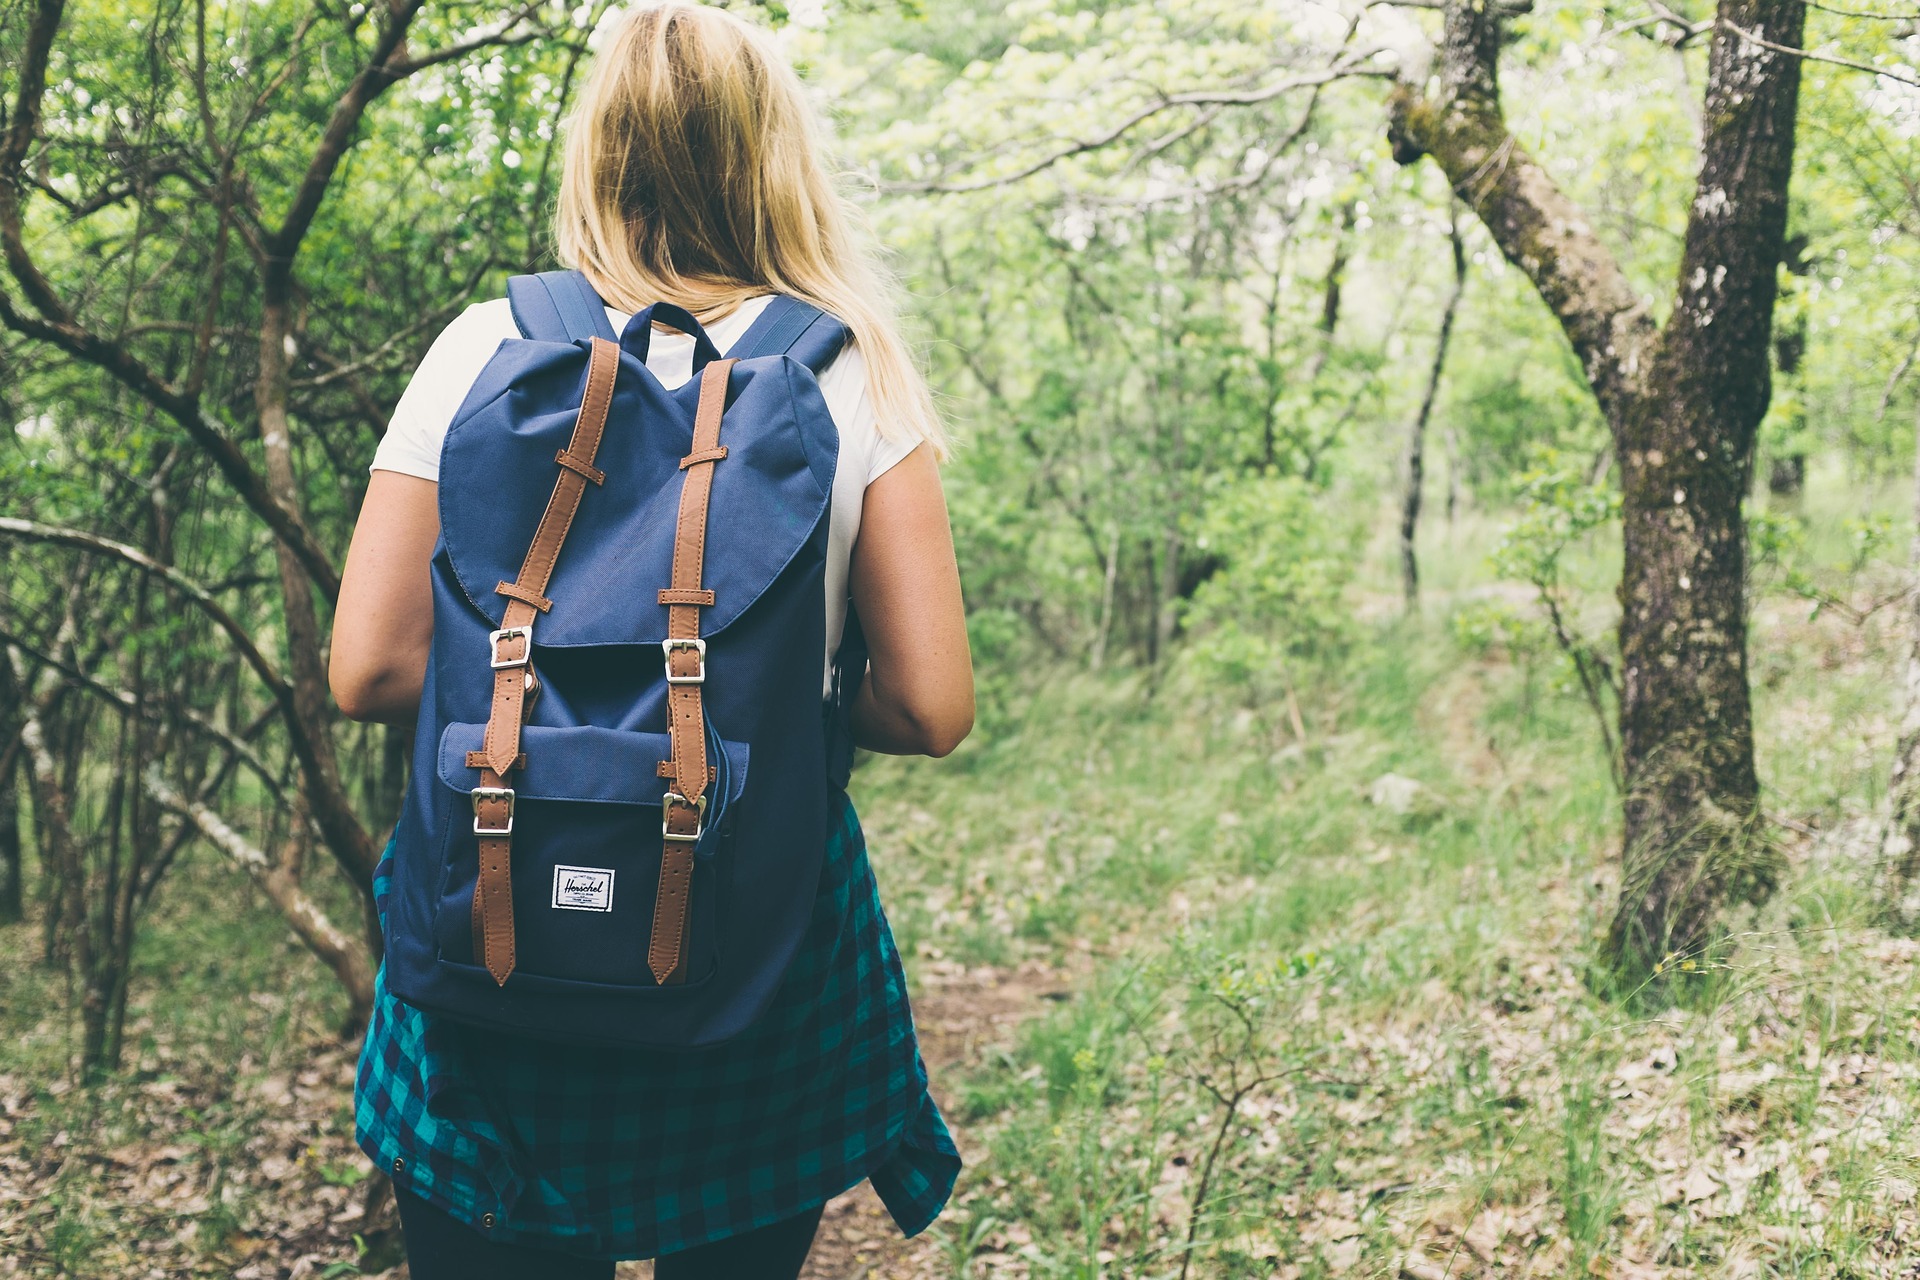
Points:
(1451, 1091)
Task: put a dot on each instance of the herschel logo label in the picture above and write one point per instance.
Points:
(583, 888)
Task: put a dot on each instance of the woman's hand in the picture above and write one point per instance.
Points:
(917, 698)
(383, 626)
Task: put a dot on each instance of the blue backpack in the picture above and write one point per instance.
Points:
(621, 774)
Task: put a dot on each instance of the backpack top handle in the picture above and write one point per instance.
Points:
(637, 337)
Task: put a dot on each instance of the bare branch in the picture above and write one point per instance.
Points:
(1862, 13)
(346, 837)
(379, 74)
(501, 35)
(93, 543)
(125, 703)
(1351, 67)
(336, 950)
(1808, 55)
(1537, 227)
(338, 370)
(57, 328)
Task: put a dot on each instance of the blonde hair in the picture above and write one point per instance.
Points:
(693, 175)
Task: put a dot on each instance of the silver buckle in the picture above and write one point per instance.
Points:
(492, 793)
(698, 646)
(699, 806)
(508, 633)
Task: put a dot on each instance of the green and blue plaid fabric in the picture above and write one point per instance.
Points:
(626, 1154)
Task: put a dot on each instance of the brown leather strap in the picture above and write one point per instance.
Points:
(665, 769)
(684, 807)
(514, 682)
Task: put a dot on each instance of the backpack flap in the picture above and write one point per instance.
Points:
(769, 495)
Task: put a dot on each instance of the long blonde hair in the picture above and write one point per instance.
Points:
(693, 175)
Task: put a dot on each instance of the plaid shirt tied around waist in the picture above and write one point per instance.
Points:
(619, 1153)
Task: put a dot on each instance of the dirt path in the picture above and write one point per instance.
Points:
(139, 1200)
(961, 1014)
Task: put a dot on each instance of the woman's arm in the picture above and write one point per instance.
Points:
(383, 625)
(917, 698)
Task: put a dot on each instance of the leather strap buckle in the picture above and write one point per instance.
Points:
(667, 647)
(483, 794)
(509, 633)
(699, 806)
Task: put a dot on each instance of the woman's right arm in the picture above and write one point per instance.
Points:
(383, 625)
(917, 698)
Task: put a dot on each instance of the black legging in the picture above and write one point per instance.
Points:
(441, 1247)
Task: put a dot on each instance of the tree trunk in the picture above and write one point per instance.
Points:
(1787, 469)
(60, 849)
(1684, 406)
(1694, 832)
(1900, 846)
(346, 838)
(13, 870)
(1417, 436)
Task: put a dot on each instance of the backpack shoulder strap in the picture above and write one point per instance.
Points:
(789, 326)
(558, 306)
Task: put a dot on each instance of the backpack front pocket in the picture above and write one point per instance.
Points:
(585, 853)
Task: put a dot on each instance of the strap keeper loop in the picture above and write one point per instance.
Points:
(676, 595)
(514, 591)
(699, 456)
(580, 466)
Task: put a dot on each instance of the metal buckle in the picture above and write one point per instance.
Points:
(667, 647)
(492, 793)
(508, 633)
(699, 806)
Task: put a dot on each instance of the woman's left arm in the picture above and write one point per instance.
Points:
(383, 625)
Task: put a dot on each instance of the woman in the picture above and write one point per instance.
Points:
(691, 176)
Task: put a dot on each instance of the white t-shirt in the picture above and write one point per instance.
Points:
(420, 421)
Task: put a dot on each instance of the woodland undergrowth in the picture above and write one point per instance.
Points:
(1331, 1003)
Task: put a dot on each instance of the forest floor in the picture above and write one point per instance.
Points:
(1207, 990)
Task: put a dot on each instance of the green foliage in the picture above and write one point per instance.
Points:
(1560, 508)
(1182, 365)
(1277, 603)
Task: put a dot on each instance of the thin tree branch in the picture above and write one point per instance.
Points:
(336, 950)
(502, 35)
(345, 836)
(126, 703)
(380, 73)
(58, 535)
(1351, 67)
(1808, 55)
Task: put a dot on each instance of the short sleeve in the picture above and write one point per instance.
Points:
(420, 420)
(843, 384)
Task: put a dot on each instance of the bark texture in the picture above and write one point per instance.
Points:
(1684, 403)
